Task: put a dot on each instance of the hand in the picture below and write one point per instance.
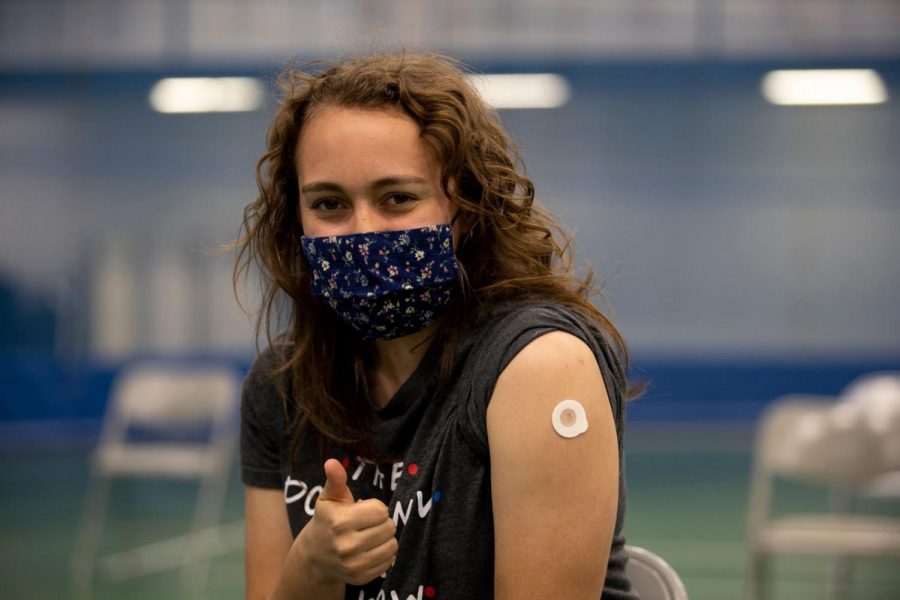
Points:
(347, 541)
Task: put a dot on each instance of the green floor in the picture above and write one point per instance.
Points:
(687, 499)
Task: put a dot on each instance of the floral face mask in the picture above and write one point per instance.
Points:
(385, 284)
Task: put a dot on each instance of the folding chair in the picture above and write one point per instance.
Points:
(652, 577)
(845, 464)
(164, 420)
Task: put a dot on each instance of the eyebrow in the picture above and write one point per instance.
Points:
(327, 186)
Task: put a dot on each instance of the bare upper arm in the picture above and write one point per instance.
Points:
(554, 498)
(267, 540)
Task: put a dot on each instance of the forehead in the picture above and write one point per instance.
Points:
(353, 142)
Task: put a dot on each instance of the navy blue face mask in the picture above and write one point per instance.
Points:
(385, 284)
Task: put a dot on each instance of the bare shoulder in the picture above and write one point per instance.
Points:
(553, 351)
(550, 366)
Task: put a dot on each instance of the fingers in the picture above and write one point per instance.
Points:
(361, 553)
(370, 538)
(335, 488)
(369, 513)
(368, 565)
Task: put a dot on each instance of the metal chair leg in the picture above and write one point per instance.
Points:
(756, 579)
(88, 541)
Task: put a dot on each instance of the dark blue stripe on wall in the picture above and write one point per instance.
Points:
(35, 387)
(705, 390)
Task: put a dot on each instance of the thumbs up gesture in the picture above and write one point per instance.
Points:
(348, 541)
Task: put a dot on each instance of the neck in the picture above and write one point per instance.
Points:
(395, 360)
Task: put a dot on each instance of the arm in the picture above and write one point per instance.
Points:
(344, 542)
(554, 499)
(267, 540)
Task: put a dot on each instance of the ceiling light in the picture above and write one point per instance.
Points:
(824, 87)
(534, 90)
(206, 94)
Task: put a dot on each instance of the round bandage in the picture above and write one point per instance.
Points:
(569, 419)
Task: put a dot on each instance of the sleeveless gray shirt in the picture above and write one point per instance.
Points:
(438, 491)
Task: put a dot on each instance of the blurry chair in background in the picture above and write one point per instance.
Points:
(652, 577)
(815, 440)
(164, 420)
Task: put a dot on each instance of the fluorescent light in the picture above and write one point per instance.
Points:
(824, 87)
(534, 90)
(206, 94)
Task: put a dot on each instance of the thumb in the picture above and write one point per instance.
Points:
(335, 489)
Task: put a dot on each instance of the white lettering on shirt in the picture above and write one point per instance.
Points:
(396, 472)
(288, 484)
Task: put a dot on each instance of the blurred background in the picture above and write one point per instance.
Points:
(747, 242)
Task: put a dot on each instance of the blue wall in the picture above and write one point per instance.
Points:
(720, 225)
(746, 250)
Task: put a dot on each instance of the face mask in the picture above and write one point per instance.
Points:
(384, 284)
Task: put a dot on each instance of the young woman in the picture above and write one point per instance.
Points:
(440, 414)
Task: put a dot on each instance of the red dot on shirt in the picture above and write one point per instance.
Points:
(346, 462)
(430, 592)
(413, 468)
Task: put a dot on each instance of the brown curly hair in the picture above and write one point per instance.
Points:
(510, 249)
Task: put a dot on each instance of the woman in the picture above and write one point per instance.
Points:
(441, 415)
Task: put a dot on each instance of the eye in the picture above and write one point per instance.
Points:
(398, 199)
(326, 204)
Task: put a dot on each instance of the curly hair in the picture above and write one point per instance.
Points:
(511, 248)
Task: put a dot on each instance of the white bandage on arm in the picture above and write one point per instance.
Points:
(569, 419)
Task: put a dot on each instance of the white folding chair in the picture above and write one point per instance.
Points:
(790, 445)
(652, 577)
(164, 421)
